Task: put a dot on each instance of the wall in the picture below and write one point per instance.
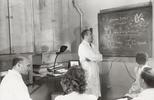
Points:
(54, 26)
(113, 70)
(91, 8)
(119, 80)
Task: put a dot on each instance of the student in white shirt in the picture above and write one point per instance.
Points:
(147, 76)
(89, 57)
(12, 86)
(74, 85)
(141, 60)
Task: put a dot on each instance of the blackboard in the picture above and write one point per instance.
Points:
(125, 31)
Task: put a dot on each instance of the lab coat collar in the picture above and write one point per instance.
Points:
(85, 42)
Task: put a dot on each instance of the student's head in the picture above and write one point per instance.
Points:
(87, 35)
(21, 64)
(148, 76)
(141, 58)
(74, 80)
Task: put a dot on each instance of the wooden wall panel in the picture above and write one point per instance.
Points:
(21, 26)
(43, 25)
(36, 25)
(74, 28)
(46, 17)
(4, 28)
(67, 26)
(65, 34)
(56, 23)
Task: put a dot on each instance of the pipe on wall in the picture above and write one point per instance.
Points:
(78, 9)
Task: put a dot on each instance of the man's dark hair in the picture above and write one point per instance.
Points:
(141, 58)
(148, 76)
(74, 80)
(84, 32)
(16, 60)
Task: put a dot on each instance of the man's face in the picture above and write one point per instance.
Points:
(89, 36)
(25, 67)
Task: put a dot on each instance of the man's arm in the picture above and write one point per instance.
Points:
(89, 54)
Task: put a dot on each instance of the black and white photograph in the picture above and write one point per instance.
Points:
(76, 50)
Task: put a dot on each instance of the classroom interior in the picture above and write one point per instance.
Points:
(38, 28)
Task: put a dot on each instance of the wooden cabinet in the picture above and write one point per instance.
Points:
(16, 31)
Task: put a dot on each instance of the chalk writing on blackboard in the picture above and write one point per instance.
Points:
(125, 32)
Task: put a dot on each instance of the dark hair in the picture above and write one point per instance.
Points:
(16, 60)
(148, 76)
(74, 80)
(141, 58)
(84, 32)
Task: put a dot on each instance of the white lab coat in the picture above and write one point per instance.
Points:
(91, 67)
(147, 94)
(12, 87)
(136, 87)
(76, 96)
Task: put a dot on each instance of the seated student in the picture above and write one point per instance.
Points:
(74, 85)
(148, 79)
(12, 86)
(141, 60)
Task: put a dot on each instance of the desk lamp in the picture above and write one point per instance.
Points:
(62, 49)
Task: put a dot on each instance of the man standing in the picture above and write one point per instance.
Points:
(12, 86)
(89, 57)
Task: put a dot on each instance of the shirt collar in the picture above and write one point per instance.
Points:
(85, 42)
(73, 93)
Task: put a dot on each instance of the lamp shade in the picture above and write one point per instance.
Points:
(62, 49)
